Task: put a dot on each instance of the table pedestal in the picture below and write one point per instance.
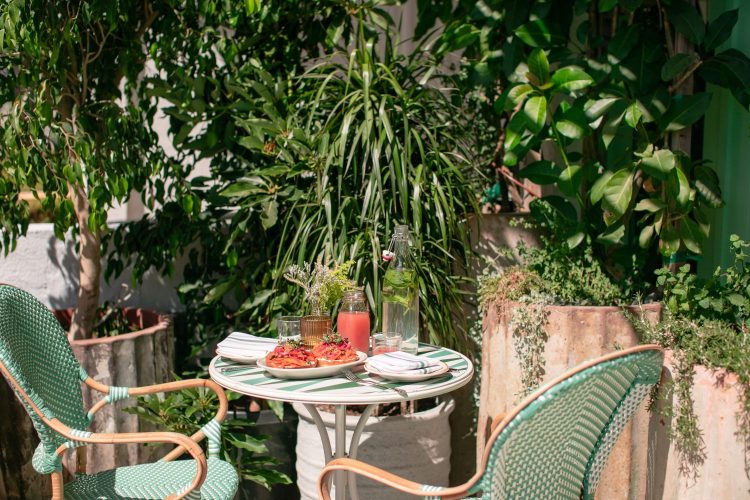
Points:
(340, 451)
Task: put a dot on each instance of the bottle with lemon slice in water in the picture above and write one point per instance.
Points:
(401, 291)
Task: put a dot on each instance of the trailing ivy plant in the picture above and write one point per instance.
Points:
(707, 323)
(553, 274)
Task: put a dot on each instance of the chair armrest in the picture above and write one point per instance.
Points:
(166, 387)
(211, 429)
(496, 421)
(386, 478)
(78, 437)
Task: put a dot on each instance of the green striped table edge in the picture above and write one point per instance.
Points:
(253, 380)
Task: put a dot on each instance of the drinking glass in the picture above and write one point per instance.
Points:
(288, 327)
(354, 319)
(383, 342)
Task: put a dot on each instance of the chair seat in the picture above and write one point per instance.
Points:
(154, 481)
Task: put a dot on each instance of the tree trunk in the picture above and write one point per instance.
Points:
(89, 257)
(84, 318)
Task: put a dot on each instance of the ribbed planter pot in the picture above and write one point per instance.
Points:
(414, 446)
(574, 335)
(717, 399)
(144, 357)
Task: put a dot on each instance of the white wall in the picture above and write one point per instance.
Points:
(48, 269)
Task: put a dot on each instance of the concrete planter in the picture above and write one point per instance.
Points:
(717, 399)
(144, 357)
(415, 446)
(575, 334)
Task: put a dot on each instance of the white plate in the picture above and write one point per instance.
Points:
(248, 359)
(316, 372)
(407, 377)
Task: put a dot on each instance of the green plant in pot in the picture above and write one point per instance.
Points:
(323, 287)
(578, 86)
(706, 324)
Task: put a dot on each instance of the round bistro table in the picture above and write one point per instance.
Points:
(338, 391)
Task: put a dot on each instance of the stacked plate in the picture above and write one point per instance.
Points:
(245, 348)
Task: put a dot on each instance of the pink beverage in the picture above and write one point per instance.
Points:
(355, 326)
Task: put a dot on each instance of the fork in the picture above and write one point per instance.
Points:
(353, 378)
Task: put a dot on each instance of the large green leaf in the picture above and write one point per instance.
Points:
(597, 189)
(646, 235)
(676, 65)
(245, 187)
(606, 5)
(684, 110)
(570, 180)
(659, 164)
(571, 78)
(514, 131)
(519, 92)
(539, 66)
(691, 235)
(707, 185)
(269, 213)
(594, 109)
(683, 193)
(633, 114)
(720, 29)
(670, 240)
(535, 111)
(687, 20)
(617, 195)
(540, 172)
(613, 235)
(729, 69)
(573, 123)
(534, 33)
(650, 205)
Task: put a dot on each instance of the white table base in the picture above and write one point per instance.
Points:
(340, 450)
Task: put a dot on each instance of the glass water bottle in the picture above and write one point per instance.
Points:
(401, 291)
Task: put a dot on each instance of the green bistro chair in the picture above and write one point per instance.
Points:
(555, 444)
(38, 362)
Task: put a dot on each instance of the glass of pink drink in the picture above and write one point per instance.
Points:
(354, 320)
(383, 342)
(355, 326)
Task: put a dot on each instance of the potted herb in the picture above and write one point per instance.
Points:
(703, 418)
(323, 287)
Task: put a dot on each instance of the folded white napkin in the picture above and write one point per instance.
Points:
(244, 344)
(403, 362)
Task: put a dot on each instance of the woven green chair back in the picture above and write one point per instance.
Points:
(557, 445)
(35, 351)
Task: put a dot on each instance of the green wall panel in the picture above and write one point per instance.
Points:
(727, 145)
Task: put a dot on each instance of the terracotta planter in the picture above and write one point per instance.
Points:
(717, 399)
(575, 334)
(312, 329)
(417, 447)
(488, 233)
(144, 357)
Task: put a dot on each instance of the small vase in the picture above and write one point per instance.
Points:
(312, 329)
